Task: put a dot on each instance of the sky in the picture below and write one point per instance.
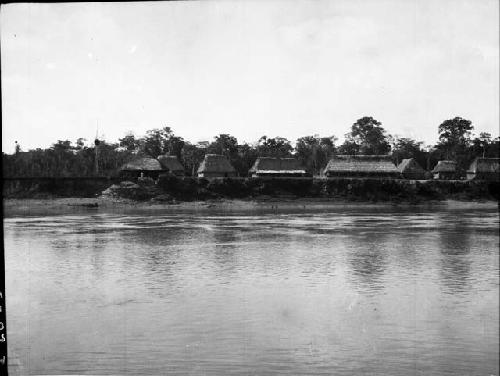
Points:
(247, 68)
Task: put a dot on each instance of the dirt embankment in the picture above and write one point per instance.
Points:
(89, 206)
(240, 194)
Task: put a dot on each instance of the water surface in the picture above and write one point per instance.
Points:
(374, 291)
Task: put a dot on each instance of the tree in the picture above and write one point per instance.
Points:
(367, 137)
(245, 160)
(191, 157)
(314, 152)
(484, 141)
(224, 144)
(130, 142)
(404, 148)
(274, 147)
(349, 147)
(454, 136)
(162, 141)
(454, 141)
(80, 143)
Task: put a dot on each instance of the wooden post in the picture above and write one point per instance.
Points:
(96, 143)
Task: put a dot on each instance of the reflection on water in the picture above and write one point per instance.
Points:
(455, 261)
(354, 292)
(368, 261)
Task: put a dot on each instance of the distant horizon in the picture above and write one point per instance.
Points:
(248, 68)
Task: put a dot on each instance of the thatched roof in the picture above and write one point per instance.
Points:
(170, 162)
(215, 163)
(489, 165)
(142, 164)
(277, 165)
(445, 166)
(370, 164)
(410, 165)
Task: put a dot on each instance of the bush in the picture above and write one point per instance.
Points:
(184, 188)
(227, 187)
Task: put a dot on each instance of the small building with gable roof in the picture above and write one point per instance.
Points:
(216, 166)
(145, 166)
(171, 164)
(446, 170)
(484, 169)
(410, 169)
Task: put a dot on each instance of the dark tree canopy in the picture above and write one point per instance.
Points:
(404, 148)
(274, 147)
(130, 142)
(455, 132)
(314, 152)
(162, 141)
(367, 137)
(224, 144)
(485, 146)
(454, 140)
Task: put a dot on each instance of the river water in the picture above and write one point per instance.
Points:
(357, 291)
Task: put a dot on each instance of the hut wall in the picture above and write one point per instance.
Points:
(490, 176)
(278, 174)
(363, 174)
(414, 175)
(209, 174)
(135, 174)
(446, 175)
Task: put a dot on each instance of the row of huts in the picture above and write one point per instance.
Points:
(357, 166)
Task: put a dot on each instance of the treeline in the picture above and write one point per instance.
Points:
(366, 136)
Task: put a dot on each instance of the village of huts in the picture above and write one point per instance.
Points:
(339, 166)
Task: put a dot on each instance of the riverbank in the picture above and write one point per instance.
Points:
(77, 205)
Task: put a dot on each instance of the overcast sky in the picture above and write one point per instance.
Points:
(248, 68)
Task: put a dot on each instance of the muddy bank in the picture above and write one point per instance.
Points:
(89, 206)
(240, 194)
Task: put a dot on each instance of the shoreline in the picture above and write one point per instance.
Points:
(78, 205)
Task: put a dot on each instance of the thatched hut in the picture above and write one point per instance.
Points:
(446, 170)
(277, 167)
(484, 169)
(410, 169)
(145, 166)
(171, 164)
(216, 166)
(362, 166)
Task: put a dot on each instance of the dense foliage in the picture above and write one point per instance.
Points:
(171, 189)
(367, 136)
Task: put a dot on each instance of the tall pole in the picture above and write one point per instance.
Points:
(96, 143)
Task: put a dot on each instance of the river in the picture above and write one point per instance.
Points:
(347, 292)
